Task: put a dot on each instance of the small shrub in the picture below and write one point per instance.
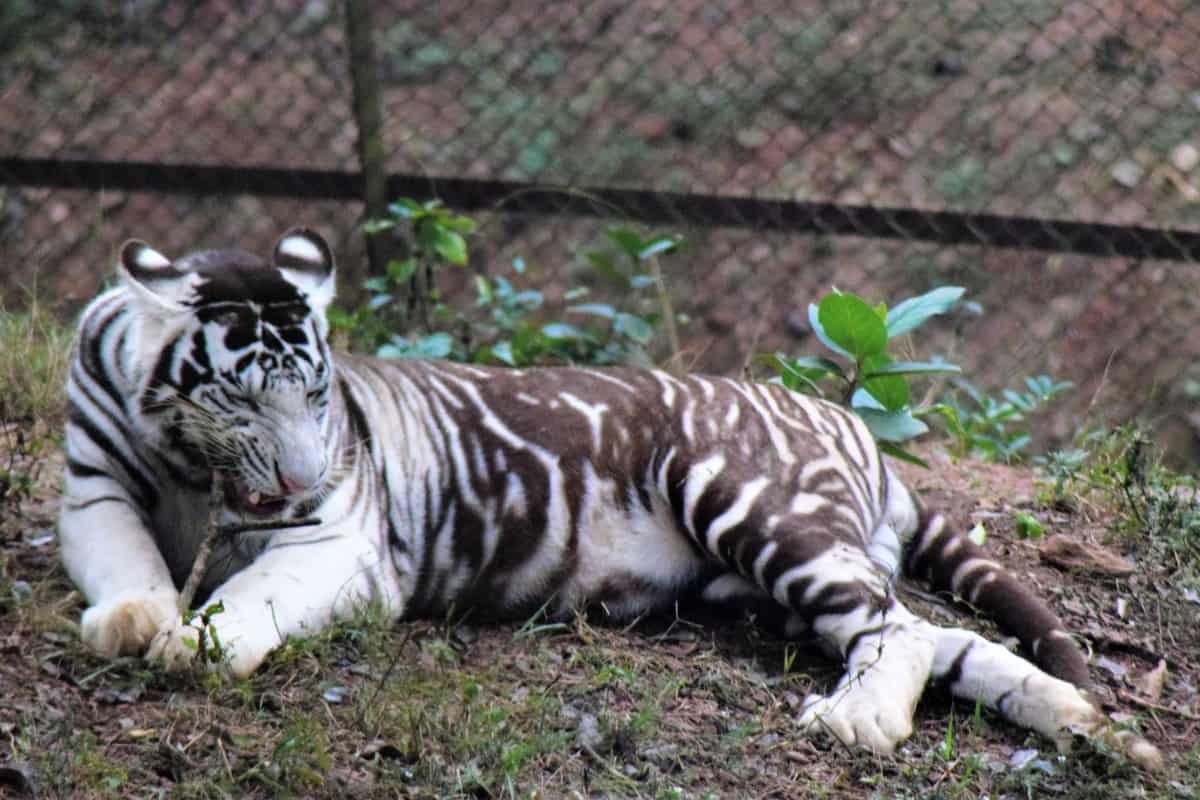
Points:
(865, 377)
(405, 315)
(987, 428)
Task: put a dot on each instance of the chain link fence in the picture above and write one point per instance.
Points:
(795, 145)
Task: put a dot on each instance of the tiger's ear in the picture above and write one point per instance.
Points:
(153, 277)
(306, 262)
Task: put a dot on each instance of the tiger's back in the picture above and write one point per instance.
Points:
(613, 487)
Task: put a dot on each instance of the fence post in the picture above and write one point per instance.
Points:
(360, 50)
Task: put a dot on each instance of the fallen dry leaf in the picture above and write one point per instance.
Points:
(1150, 685)
(1069, 554)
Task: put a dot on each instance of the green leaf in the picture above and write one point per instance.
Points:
(378, 301)
(374, 226)
(460, 224)
(641, 281)
(911, 368)
(629, 242)
(892, 426)
(604, 265)
(910, 313)
(852, 324)
(433, 345)
(401, 271)
(890, 390)
(576, 293)
(596, 309)
(565, 332)
(451, 246)
(504, 352)
(657, 246)
(483, 291)
(814, 364)
(896, 451)
(633, 327)
(1028, 527)
(406, 208)
(815, 323)
(376, 284)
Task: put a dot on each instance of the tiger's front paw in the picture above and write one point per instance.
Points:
(175, 647)
(127, 624)
(856, 716)
(223, 648)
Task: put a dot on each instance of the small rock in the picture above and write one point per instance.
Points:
(335, 694)
(1185, 157)
(752, 138)
(21, 590)
(1109, 666)
(1127, 173)
(588, 735)
(662, 756)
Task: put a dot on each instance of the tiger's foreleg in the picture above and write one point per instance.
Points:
(112, 557)
(889, 653)
(305, 579)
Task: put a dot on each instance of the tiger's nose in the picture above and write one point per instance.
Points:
(297, 482)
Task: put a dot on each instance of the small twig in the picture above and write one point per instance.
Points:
(362, 713)
(216, 531)
(668, 311)
(1130, 697)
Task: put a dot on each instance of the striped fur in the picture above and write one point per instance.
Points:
(450, 486)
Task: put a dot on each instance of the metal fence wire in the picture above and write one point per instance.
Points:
(1043, 153)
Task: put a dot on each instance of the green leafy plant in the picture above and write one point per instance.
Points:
(864, 376)
(985, 427)
(207, 644)
(406, 298)
(405, 316)
(1027, 526)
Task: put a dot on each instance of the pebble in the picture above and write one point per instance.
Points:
(1127, 173)
(1185, 157)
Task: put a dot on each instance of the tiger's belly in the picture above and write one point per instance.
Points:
(629, 559)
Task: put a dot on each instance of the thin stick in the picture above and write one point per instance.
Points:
(200, 565)
(215, 532)
(249, 526)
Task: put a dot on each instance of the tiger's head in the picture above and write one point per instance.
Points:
(234, 368)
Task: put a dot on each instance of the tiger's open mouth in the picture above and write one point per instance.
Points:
(252, 501)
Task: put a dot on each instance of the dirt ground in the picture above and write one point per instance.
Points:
(666, 708)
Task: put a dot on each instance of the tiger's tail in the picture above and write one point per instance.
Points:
(951, 562)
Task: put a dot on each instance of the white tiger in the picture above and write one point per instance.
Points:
(444, 485)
